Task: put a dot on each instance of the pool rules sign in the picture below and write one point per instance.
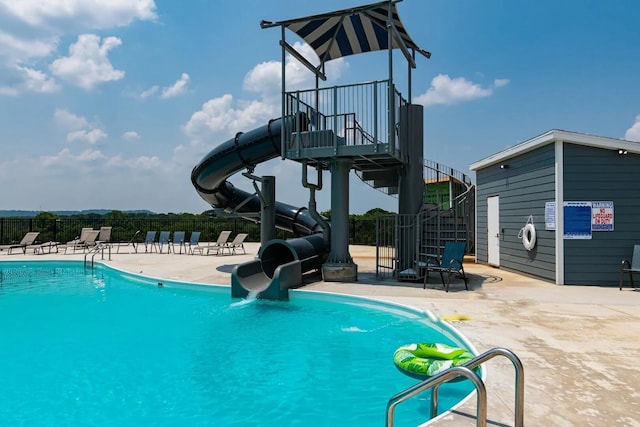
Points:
(601, 216)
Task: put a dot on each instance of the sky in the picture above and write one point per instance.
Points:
(110, 104)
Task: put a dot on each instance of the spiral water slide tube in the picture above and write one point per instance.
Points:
(280, 263)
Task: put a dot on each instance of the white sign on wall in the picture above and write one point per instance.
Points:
(602, 216)
(550, 216)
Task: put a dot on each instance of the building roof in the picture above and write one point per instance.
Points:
(555, 135)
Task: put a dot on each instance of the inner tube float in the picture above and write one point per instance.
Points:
(424, 360)
(529, 236)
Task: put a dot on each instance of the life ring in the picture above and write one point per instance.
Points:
(424, 360)
(529, 236)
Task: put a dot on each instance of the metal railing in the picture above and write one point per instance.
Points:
(466, 370)
(94, 250)
(357, 114)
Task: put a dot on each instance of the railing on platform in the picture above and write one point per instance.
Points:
(355, 114)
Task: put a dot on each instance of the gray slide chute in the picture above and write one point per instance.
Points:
(280, 263)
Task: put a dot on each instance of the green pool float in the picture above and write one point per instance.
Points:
(424, 360)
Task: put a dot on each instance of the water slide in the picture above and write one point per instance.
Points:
(280, 263)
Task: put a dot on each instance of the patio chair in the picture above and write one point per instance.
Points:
(82, 237)
(450, 263)
(237, 243)
(163, 239)
(27, 240)
(149, 241)
(104, 236)
(178, 239)
(631, 267)
(82, 245)
(131, 243)
(216, 246)
(192, 244)
(43, 248)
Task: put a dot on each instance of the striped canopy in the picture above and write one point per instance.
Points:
(346, 32)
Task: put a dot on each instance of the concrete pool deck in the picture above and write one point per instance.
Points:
(580, 345)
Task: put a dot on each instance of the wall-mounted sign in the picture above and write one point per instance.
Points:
(550, 216)
(601, 216)
(577, 220)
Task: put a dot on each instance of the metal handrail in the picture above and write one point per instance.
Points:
(481, 413)
(519, 378)
(436, 380)
(100, 247)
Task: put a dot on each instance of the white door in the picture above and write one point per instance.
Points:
(493, 230)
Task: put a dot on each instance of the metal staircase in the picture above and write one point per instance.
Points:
(447, 215)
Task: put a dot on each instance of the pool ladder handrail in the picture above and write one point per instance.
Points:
(467, 371)
(99, 248)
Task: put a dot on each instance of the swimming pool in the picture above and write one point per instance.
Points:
(101, 347)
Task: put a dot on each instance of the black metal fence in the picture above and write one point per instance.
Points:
(12, 230)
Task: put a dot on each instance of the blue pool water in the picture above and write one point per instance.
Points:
(101, 347)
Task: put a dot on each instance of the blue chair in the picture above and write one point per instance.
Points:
(450, 263)
(149, 241)
(163, 239)
(194, 239)
(178, 239)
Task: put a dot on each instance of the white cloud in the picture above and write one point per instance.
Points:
(447, 91)
(131, 135)
(31, 31)
(219, 116)
(178, 88)
(80, 13)
(633, 133)
(87, 64)
(225, 116)
(147, 93)
(29, 80)
(37, 81)
(69, 120)
(66, 157)
(92, 136)
(16, 50)
(146, 163)
(265, 78)
(79, 128)
(8, 91)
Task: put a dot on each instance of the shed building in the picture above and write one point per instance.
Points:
(581, 195)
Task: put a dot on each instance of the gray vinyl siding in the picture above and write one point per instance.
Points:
(523, 188)
(596, 174)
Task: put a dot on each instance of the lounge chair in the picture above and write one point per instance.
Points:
(192, 244)
(81, 238)
(237, 243)
(218, 245)
(163, 239)
(83, 245)
(43, 248)
(450, 263)
(178, 239)
(27, 240)
(149, 241)
(631, 267)
(104, 237)
(131, 243)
